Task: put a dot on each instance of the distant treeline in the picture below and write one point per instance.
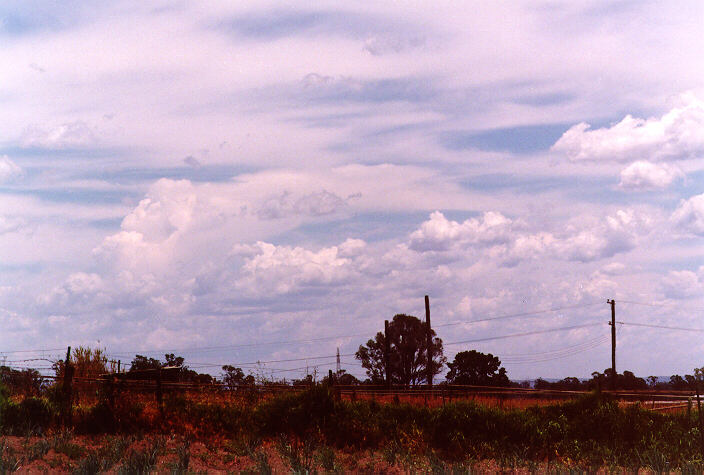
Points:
(624, 381)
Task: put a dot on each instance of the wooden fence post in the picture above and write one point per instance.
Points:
(699, 417)
(67, 390)
(159, 395)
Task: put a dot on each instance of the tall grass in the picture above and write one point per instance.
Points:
(592, 431)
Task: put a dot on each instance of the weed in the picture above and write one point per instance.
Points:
(326, 458)
(143, 461)
(299, 453)
(61, 443)
(437, 466)
(38, 450)
(113, 450)
(183, 458)
(89, 465)
(261, 461)
(8, 461)
(244, 445)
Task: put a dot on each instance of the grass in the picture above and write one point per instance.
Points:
(311, 430)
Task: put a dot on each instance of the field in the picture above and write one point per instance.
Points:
(330, 429)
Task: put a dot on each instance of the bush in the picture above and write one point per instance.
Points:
(32, 415)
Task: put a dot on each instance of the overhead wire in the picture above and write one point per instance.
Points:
(664, 327)
(517, 315)
(535, 332)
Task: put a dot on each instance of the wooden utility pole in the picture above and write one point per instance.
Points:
(429, 342)
(387, 351)
(612, 302)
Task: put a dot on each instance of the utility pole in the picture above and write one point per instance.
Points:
(338, 366)
(429, 342)
(612, 302)
(387, 350)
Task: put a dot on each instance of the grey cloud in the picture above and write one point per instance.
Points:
(312, 204)
(279, 23)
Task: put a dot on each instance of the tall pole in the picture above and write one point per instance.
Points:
(429, 342)
(387, 351)
(612, 302)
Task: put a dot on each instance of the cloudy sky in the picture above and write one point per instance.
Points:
(254, 181)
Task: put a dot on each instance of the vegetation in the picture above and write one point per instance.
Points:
(473, 367)
(408, 353)
(313, 428)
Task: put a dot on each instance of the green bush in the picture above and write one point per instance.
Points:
(32, 415)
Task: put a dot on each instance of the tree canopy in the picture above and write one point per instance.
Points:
(408, 357)
(473, 367)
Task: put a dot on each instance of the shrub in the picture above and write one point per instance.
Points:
(32, 415)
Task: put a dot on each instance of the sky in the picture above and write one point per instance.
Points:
(243, 182)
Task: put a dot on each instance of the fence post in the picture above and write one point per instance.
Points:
(387, 354)
(67, 389)
(159, 396)
(699, 417)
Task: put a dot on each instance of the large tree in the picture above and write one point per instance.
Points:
(408, 355)
(473, 367)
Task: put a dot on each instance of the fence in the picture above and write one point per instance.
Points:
(152, 387)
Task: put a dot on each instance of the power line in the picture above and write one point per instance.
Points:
(226, 347)
(665, 327)
(32, 351)
(536, 332)
(556, 356)
(327, 338)
(517, 315)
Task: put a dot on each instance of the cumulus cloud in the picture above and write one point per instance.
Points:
(8, 169)
(689, 215)
(75, 134)
(682, 284)
(439, 233)
(585, 239)
(677, 135)
(606, 237)
(284, 269)
(642, 175)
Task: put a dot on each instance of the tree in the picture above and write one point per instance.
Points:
(408, 355)
(234, 377)
(141, 363)
(475, 368)
(88, 363)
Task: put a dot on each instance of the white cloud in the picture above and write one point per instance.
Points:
(682, 284)
(689, 215)
(677, 135)
(283, 269)
(602, 238)
(8, 169)
(75, 134)
(584, 239)
(439, 233)
(643, 175)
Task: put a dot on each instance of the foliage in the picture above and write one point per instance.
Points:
(144, 460)
(141, 363)
(234, 378)
(408, 356)
(31, 415)
(27, 381)
(626, 380)
(473, 367)
(87, 363)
